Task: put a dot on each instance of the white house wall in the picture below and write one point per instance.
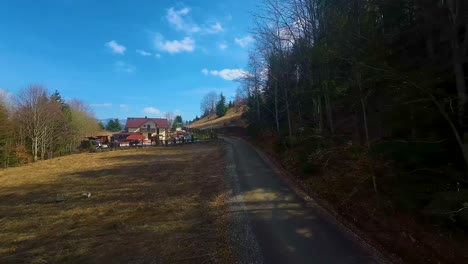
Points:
(151, 123)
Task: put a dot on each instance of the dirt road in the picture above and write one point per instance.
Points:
(273, 225)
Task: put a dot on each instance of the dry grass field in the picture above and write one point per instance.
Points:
(152, 205)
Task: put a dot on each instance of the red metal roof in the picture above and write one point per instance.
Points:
(125, 133)
(135, 137)
(135, 122)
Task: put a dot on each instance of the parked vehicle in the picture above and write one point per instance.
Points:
(91, 144)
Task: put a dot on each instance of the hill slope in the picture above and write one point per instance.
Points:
(232, 118)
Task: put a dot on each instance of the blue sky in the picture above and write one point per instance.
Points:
(126, 58)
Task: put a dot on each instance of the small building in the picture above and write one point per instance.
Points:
(104, 136)
(151, 128)
(122, 136)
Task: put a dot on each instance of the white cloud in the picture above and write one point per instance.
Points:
(205, 71)
(181, 20)
(122, 66)
(115, 47)
(174, 46)
(151, 110)
(123, 107)
(215, 28)
(227, 74)
(264, 73)
(143, 52)
(4, 94)
(288, 35)
(176, 18)
(245, 41)
(101, 105)
(203, 91)
(157, 55)
(6, 98)
(222, 46)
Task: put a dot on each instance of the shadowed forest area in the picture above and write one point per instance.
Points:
(366, 102)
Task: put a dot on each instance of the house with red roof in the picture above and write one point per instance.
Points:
(148, 127)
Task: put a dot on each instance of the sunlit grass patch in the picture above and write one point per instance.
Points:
(232, 117)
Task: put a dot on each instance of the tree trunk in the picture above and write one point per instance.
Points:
(460, 81)
(413, 127)
(319, 113)
(366, 127)
(462, 98)
(44, 144)
(327, 96)
(357, 29)
(257, 99)
(329, 112)
(35, 147)
(288, 114)
(455, 7)
(276, 109)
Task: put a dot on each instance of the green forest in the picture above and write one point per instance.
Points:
(367, 101)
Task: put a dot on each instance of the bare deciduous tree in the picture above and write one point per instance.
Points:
(32, 117)
(208, 103)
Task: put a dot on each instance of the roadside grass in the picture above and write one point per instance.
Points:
(147, 205)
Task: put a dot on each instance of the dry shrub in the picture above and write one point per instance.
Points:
(22, 154)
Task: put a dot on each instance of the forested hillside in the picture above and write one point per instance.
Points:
(36, 125)
(367, 101)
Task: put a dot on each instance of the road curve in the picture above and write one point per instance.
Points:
(271, 224)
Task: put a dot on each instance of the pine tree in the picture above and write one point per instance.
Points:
(110, 125)
(177, 122)
(101, 125)
(221, 106)
(118, 126)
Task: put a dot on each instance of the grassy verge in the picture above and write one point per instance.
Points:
(146, 205)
